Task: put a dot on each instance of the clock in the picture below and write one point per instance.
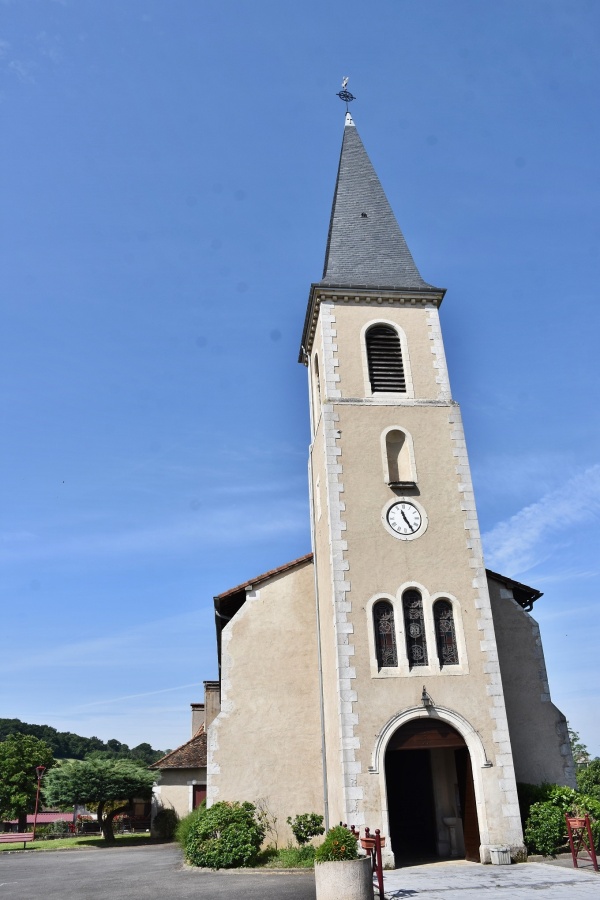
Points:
(404, 519)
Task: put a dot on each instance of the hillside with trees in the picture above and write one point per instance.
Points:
(66, 745)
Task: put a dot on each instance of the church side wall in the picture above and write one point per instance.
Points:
(265, 743)
(538, 729)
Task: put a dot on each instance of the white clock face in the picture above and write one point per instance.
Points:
(404, 518)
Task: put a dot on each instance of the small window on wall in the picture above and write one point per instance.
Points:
(414, 627)
(317, 387)
(385, 634)
(384, 356)
(398, 456)
(445, 633)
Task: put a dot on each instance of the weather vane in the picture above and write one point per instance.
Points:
(345, 95)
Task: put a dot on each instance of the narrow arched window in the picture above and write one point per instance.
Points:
(317, 387)
(414, 628)
(385, 636)
(400, 469)
(384, 356)
(445, 633)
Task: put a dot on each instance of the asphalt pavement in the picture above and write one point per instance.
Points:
(138, 873)
(157, 871)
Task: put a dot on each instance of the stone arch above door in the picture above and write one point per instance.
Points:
(459, 723)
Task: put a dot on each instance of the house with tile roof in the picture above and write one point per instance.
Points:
(387, 678)
(182, 783)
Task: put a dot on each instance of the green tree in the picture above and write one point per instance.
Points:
(588, 778)
(101, 781)
(581, 756)
(19, 756)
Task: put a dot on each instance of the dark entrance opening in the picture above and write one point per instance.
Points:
(431, 798)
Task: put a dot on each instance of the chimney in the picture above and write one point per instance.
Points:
(197, 716)
(212, 701)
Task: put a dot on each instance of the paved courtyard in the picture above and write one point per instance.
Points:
(462, 880)
(157, 872)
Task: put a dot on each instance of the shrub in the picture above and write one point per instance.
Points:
(529, 794)
(545, 829)
(225, 836)
(339, 843)
(165, 823)
(306, 826)
(185, 824)
(58, 827)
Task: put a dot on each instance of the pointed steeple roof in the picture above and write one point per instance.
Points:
(365, 247)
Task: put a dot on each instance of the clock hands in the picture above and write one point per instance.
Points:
(406, 520)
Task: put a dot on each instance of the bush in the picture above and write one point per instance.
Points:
(165, 824)
(339, 843)
(306, 826)
(546, 829)
(58, 827)
(225, 836)
(183, 828)
(529, 794)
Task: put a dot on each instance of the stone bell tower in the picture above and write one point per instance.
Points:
(407, 649)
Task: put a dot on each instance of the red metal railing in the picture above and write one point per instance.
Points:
(580, 838)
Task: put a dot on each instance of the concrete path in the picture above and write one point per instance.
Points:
(462, 880)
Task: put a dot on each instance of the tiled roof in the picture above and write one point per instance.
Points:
(191, 755)
(259, 578)
(365, 247)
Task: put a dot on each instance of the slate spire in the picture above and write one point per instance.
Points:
(365, 247)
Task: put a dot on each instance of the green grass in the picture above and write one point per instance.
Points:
(82, 842)
(288, 858)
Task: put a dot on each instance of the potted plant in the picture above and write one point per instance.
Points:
(339, 872)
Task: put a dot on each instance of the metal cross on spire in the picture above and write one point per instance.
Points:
(345, 95)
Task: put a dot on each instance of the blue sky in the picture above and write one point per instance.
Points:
(167, 176)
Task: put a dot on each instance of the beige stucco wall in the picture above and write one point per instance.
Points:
(174, 791)
(538, 729)
(265, 743)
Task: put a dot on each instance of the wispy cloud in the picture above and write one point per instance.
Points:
(175, 536)
(531, 535)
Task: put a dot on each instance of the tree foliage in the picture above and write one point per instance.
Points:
(581, 756)
(102, 782)
(306, 826)
(19, 756)
(588, 779)
(65, 745)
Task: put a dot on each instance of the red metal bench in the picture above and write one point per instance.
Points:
(13, 837)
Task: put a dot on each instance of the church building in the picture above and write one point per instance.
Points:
(386, 679)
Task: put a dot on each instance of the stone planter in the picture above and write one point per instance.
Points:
(345, 879)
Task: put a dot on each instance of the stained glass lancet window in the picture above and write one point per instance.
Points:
(445, 633)
(414, 627)
(385, 637)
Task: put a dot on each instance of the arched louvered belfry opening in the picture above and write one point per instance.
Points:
(385, 634)
(384, 357)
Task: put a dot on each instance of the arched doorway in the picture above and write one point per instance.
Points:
(430, 793)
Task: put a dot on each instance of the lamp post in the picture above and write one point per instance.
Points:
(39, 771)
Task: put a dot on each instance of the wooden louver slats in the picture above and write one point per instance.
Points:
(384, 354)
